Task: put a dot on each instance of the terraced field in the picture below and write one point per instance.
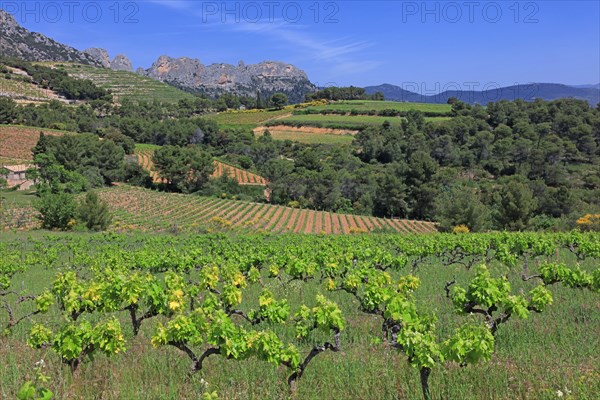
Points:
(123, 84)
(137, 208)
(17, 85)
(242, 177)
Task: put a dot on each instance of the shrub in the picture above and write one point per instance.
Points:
(589, 222)
(57, 210)
(458, 229)
(94, 212)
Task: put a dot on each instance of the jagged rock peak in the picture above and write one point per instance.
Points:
(7, 21)
(121, 63)
(99, 54)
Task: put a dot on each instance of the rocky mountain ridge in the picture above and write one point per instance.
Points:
(243, 79)
(119, 63)
(18, 42)
(186, 73)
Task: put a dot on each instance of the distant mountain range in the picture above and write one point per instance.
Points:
(527, 92)
(188, 74)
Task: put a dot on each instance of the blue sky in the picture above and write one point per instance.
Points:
(427, 46)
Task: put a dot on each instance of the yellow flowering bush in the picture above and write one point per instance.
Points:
(589, 222)
(458, 229)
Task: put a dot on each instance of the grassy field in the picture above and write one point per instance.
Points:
(17, 211)
(553, 355)
(338, 121)
(355, 122)
(17, 198)
(124, 84)
(248, 120)
(368, 105)
(307, 137)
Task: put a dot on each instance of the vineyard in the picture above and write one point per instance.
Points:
(124, 84)
(137, 208)
(16, 142)
(113, 316)
(241, 176)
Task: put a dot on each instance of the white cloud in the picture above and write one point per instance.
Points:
(339, 55)
(343, 55)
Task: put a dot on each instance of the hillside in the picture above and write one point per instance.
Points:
(124, 84)
(241, 176)
(16, 142)
(20, 43)
(18, 85)
(137, 208)
(266, 77)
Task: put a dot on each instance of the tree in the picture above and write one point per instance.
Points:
(514, 205)
(57, 210)
(94, 212)
(124, 141)
(186, 169)
(390, 200)
(279, 100)
(378, 96)
(259, 101)
(77, 153)
(3, 175)
(461, 205)
(8, 110)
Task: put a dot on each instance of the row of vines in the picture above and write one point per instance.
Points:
(230, 297)
(146, 209)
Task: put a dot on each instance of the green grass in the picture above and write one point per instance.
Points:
(124, 84)
(535, 358)
(338, 121)
(12, 161)
(146, 147)
(251, 120)
(368, 105)
(311, 138)
(248, 120)
(17, 198)
(335, 121)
